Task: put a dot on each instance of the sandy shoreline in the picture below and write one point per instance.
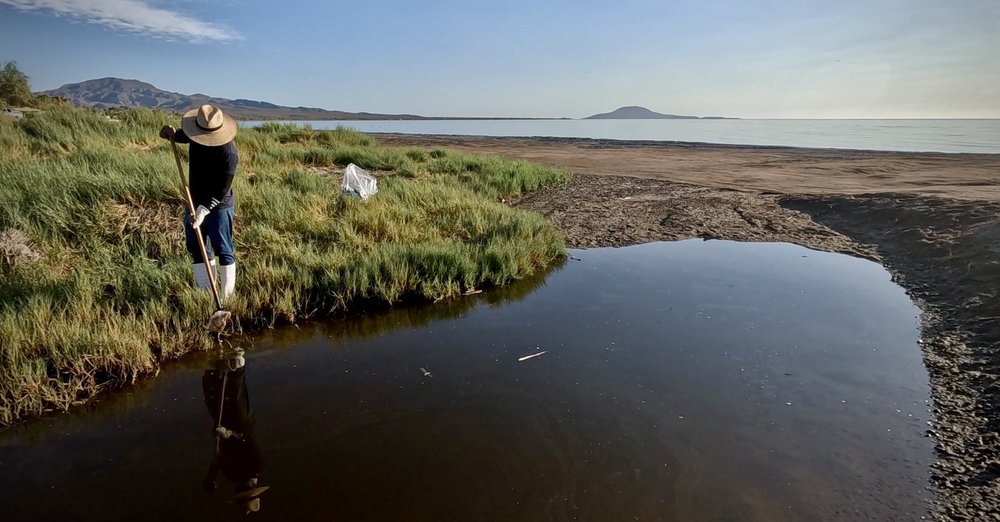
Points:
(780, 170)
(933, 219)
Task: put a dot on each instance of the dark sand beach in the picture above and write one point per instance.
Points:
(932, 219)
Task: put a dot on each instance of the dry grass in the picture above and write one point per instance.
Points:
(95, 289)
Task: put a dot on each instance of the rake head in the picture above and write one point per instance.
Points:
(217, 323)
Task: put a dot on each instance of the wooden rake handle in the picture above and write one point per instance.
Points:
(197, 230)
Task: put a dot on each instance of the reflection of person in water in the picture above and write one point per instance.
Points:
(237, 454)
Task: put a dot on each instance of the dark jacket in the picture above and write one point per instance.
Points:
(210, 172)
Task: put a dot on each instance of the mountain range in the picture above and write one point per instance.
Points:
(114, 92)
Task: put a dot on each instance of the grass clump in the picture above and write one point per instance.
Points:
(94, 278)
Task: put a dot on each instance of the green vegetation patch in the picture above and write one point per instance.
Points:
(95, 284)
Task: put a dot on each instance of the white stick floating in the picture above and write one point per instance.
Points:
(526, 357)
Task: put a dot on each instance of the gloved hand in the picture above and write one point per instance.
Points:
(199, 216)
(167, 132)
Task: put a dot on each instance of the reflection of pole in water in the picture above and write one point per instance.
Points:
(237, 455)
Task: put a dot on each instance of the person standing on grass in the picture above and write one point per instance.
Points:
(211, 168)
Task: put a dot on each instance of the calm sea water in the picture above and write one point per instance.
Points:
(976, 136)
(681, 381)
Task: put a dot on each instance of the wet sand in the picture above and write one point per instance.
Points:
(932, 219)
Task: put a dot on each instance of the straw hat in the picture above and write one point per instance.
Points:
(250, 498)
(250, 492)
(208, 126)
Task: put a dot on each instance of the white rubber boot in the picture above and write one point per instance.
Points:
(201, 281)
(227, 280)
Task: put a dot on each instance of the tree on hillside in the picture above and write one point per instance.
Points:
(14, 89)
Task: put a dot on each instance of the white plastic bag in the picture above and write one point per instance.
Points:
(358, 183)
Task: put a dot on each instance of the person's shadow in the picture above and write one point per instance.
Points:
(237, 454)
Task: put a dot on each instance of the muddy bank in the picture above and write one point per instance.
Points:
(600, 211)
(932, 219)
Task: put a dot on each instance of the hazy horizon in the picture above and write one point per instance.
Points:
(771, 60)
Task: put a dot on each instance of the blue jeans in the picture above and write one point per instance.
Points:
(217, 229)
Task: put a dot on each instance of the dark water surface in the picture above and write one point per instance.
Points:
(682, 381)
(922, 135)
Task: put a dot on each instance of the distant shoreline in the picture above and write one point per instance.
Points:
(949, 137)
(481, 118)
(700, 145)
(778, 169)
(416, 118)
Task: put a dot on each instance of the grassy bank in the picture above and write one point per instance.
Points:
(95, 282)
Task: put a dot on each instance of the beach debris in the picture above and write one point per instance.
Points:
(425, 372)
(358, 183)
(532, 356)
(472, 291)
(15, 248)
(575, 258)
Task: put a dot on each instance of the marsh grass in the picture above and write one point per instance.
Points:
(94, 286)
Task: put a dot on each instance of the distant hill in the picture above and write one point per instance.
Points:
(115, 92)
(112, 92)
(633, 112)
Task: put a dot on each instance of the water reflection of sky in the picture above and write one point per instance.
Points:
(921, 135)
(688, 380)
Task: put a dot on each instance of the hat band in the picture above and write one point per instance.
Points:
(208, 129)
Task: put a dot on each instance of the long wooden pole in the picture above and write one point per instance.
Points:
(222, 404)
(197, 230)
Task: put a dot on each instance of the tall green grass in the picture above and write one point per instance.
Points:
(106, 295)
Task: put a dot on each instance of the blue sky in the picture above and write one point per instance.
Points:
(751, 59)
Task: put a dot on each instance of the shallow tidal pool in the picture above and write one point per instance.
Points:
(691, 380)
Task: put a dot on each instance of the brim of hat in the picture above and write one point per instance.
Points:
(220, 136)
(250, 493)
